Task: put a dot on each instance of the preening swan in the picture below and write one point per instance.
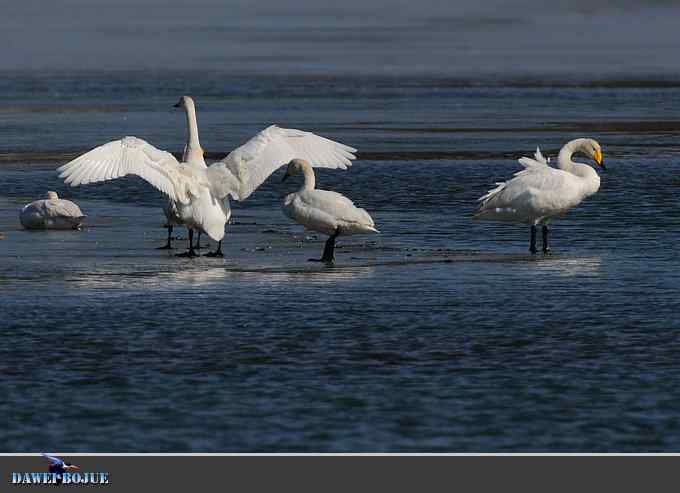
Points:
(201, 192)
(323, 211)
(51, 213)
(539, 192)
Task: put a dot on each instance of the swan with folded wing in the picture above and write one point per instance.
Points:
(200, 192)
(324, 211)
(539, 192)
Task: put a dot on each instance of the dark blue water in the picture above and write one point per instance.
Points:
(440, 334)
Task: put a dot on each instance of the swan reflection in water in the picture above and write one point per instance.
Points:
(201, 277)
(317, 276)
(152, 279)
(571, 266)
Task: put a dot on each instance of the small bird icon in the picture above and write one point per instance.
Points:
(59, 466)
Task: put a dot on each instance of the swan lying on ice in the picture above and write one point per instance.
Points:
(539, 192)
(51, 213)
(324, 211)
(201, 192)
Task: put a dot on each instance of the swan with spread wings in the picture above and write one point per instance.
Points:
(202, 193)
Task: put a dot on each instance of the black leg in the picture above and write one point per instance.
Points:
(191, 252)
(168, 245)
(329, 250)
(328, 256)
(546, 245)
(198, 241)
(532, 246)
(217, 252)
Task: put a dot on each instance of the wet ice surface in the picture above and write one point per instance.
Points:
(439, 334)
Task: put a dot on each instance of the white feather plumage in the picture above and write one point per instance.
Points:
(51, 213)
(201, 192)
(539, 192)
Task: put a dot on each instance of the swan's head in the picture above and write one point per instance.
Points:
(185, 102)
(295, 166)
(592, 149)
(52, 196)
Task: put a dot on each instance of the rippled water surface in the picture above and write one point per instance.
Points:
(440, 334)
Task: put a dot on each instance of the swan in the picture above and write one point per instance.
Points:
(202, 192)
(539, 192)
(51, 213)
(193, 155)
(324, 211)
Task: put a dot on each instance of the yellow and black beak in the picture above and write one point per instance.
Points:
(599, 159)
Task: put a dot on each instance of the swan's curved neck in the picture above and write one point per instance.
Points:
(591, 179)
(564, 161)
(310, 179)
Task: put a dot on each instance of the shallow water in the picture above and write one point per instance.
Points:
(440, 334)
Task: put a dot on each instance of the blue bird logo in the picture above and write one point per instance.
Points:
(58, 466)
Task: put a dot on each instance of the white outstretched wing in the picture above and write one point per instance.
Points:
(247, 167)
(132, 156)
